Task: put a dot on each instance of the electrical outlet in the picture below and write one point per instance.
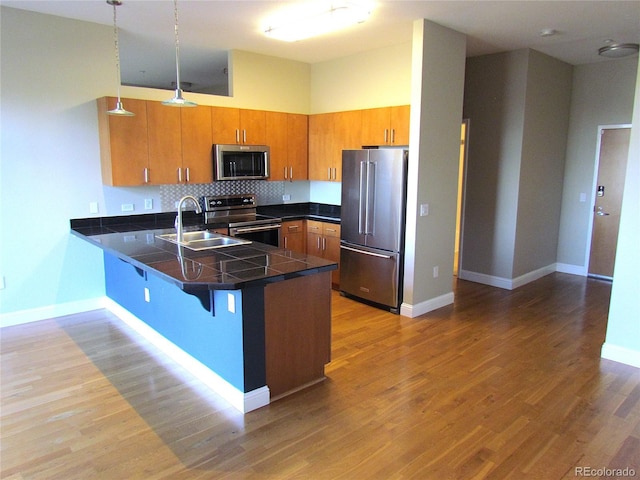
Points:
(126, 207)
(286, 197)
(231, 303)
(424, 209)
(148, 203)
(436, 271)
(93, 207)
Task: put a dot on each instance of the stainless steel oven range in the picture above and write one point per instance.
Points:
(239, 213)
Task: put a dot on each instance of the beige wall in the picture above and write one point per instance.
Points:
(602, 94)
(377, 78)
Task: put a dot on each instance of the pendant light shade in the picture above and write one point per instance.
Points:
(178, 100)
(119, 110)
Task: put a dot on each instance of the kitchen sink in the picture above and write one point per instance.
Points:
(203, 240)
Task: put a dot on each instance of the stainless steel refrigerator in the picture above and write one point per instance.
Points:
(372, 226)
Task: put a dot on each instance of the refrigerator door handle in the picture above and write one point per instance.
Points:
(362, 227)
(365, 252)
(371, 197)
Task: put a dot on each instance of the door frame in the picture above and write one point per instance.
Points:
(594, 186)
(462, 193)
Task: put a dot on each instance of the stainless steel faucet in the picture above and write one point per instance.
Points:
(178, 222)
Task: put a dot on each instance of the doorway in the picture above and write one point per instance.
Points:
(611, 167)
(464, 134)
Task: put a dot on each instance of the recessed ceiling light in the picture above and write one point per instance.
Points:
(548, 32)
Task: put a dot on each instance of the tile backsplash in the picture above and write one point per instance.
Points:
(268, 193)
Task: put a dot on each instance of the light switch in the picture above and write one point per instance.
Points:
(424, 209)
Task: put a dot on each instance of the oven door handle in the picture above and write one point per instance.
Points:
(256, 229)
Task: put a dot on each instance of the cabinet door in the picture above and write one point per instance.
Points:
(292, 236)
(276, 132)
(197, 162)
(314, 238)
(400, 119)
(165, 145)
(297, 146)
(332, 252)
(225, 124)
(348, 135)
(376, 126)
(124, 146)
(252, 127)
(320, 145)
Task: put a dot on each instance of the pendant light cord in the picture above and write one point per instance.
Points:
(175, 28)
(117, 47)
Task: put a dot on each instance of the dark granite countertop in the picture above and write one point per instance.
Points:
(228, 268)
(297, 211)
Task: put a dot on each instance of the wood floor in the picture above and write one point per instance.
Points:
(501, 385)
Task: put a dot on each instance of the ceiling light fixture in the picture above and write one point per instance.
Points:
(300, 24)
(119, 110)
(178, 100)
(618, 50)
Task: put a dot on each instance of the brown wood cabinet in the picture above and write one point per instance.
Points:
(165, 143)
(386, 126)
(297, 317)
(124, 146)
(238, 126)
(292, 236)
(329, 134)
(159, 145)
(197, 161)
(287, 137)
(323, 240)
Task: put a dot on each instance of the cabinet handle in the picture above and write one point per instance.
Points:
(318, 243)
(329, 173)
(146, 175)
(324, 243)
(293, 227)
(187, 176)
(237, 135)
(244, 136)
(285, 242)
(386, 134)
(291, 174)
(335, 173)
(393, 135)
(180, 175)
(285, 173)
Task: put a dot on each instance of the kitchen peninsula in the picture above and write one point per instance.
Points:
(253, 319)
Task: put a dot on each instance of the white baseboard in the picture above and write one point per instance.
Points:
(572, 269)
(506, 283)
(421, 308)
(244, 402)
(50, 311)
(620, 354)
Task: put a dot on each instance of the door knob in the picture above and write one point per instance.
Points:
(601, 213)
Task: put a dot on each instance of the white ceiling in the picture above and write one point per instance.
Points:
(209, 27)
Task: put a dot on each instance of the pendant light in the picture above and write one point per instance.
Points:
(178, 100)
(119, 110)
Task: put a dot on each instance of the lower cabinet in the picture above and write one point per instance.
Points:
(323, 240)
(292, 236)
(297, 320)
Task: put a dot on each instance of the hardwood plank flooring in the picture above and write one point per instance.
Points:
(500, 385)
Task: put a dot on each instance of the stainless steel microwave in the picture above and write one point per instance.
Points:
(241, 162)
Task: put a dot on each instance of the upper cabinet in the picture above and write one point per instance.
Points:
(238, 126)
(159, 145)
(287, 137)
(124, 146)
(329, 134)
(197, 144)
(386, 126)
